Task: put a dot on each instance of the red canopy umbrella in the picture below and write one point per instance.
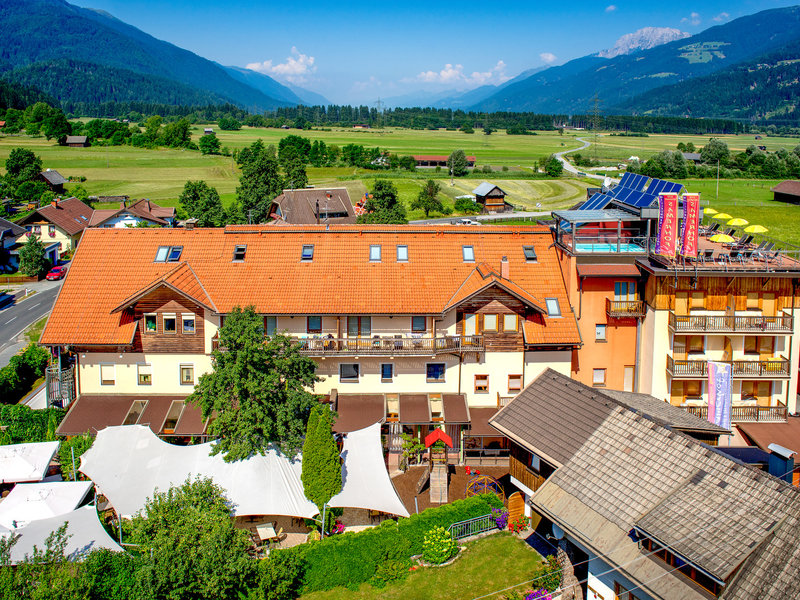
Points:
(436, 435)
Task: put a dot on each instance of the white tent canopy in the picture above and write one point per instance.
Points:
(365, 480)
(26, 462)
(84, 534)
(128, 463)
(33, 501)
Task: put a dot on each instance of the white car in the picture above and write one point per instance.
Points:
(468, 222)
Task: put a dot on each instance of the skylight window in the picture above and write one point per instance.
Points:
(402, 254)
(468, 252)
(553, 308)
(239, 252)
(375, 253)
(308, 252)
(530, 253)
(161, 254)
(175, 253)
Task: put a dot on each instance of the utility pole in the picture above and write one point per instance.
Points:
(379, 105)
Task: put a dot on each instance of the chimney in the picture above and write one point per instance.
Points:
(504, 270)
(781, 462)
(54, 203)
(316, 212)
(189, 224)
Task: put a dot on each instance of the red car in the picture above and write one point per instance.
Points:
(56, 273)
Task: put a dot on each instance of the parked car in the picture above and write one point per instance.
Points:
(56, 273)
(469, 222)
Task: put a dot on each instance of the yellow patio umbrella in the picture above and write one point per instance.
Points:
(737, 222)
(756, 229)
(709, 211)
(722, 217)
(721, 238)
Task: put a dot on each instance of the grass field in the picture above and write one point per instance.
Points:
(489, 564)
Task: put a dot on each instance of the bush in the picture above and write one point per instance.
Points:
(467, 206)
(439, 546)
(78, 443)
(21, 371)
(550, 578)
(25, 425)
(390, 571)
(278, 577)
(107, 575)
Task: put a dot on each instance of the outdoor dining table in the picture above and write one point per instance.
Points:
(266, 531)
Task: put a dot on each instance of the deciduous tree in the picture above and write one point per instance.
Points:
(553, 166)
(202, 202)
(384, 206)
(209, 144)
(32, 259)
(457, 163)
(428, 198)
(259, 183)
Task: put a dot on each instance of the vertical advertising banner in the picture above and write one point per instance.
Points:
(719, 394)
(691, 224)
(667, 241)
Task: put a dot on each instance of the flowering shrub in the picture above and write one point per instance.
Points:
(438, 546)
(529, 595)
(500, 516)
(517, 525)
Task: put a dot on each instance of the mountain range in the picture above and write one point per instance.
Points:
(87, 55)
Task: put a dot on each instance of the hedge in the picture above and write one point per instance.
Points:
(25, 425)
(21, 371)
(350, 559)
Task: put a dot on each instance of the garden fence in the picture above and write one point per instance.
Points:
(471, 527)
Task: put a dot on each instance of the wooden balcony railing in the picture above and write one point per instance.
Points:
(745, 414)
(776, 368)
(782, 323)
(519, 471)
(390, 346)
(625, 308)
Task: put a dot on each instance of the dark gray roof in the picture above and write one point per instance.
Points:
(9, 229)
(664, 411)
(53, 177)
(691, 155)
(715, 512)
(555, 415)
(486, 188)
(76, 139)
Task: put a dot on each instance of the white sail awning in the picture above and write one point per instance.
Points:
(26, 462)
(34, 501)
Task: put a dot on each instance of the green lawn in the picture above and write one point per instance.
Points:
(488, 564)
(34, 332)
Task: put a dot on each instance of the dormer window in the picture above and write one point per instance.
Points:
(468, 253)
(239, 252)
(375, 253)
(402, 254)
(308, 253)
(553, 308)
(530, 253)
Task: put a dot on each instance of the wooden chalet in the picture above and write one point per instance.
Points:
(54, 180)
(492, 198)
(77, 141)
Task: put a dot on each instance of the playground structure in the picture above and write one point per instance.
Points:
(437, 442)
(484, 484)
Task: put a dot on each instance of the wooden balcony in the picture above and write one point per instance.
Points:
(519, 471)
(625, 309)
(776, 368)
(745, 414)
(390, 346)
(782, 323)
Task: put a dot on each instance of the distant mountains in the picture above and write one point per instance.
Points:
(618, 81)
(643, 39)
(86, 55)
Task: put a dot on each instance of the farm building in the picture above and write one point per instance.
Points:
(304, 207)
(361, 126)
(437, 160)
(692, 157)
(787, 191)
(492, 198)
(208, 131)
(77, 141)
(55, 181)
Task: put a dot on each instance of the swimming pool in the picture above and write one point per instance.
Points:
(608, 248)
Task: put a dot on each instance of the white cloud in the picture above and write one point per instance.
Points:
(548, 57)
(723, 16)
(455, 75)
(693, 18)
(611, 8)
(296, 69)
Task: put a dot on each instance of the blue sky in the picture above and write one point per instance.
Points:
(356, 51)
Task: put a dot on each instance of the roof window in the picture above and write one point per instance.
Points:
(308, 253)
(175, 253)
(530, 253)
(161, 254)
(375, 253)
(239, 252)
(402, 254)
(468, 252)
(553, 308)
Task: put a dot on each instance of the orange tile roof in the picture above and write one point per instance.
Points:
(112, 266)
(182, 279)
(484, 277)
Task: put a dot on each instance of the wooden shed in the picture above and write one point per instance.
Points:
(492, 198)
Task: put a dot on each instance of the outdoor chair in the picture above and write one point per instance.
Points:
(707, 255)
(735, 255)
(710, 230)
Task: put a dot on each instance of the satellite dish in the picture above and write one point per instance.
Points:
(558, 533)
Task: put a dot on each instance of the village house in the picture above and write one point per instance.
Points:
(313, 206)
(134, 215)
(9, 247)
(411, 326)
(61, 222)
(54, 180)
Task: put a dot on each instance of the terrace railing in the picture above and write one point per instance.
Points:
(776, 368)
(782, 323)
(745, 414)
(470, 527)
(389, 346)
(625, 308)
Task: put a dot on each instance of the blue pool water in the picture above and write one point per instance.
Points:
(605, 247)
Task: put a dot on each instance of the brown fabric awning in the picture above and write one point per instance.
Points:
(414, 409)
(155, 412)
(455, 408)
(191, 421)
(92, 413)
(357, 411)
(606, 270)
(479, 422)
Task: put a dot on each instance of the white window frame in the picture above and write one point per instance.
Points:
(487, 326)
(506, 317)
(595, 381)
(355, 379)
(553, 307)
(402, 253)
(113, 368)
(188, 317)
(375, 253)
(149, 372)
(180, 373)
(155, 318)
(598, 336)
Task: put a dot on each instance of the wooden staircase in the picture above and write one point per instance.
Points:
(439, 479)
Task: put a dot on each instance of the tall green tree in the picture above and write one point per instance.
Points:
(202, 202)
(257, 388)
(32, 259)
(322, 467)
(209, 144)
(296, 177)
(384, 206)
(715, 150)
(22, 165)
(259, 183)
(553, 166)
(56, 126)
(457, 163)
(194, 549)
(428, 198)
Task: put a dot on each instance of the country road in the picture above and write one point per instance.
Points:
(17, 317)
(569, 167)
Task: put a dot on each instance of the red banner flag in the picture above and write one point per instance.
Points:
(667, 242)
(691, 224)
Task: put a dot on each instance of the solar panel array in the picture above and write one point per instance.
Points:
(631, 191)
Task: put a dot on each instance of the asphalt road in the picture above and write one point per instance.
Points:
(570, 168)
(18, 316)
